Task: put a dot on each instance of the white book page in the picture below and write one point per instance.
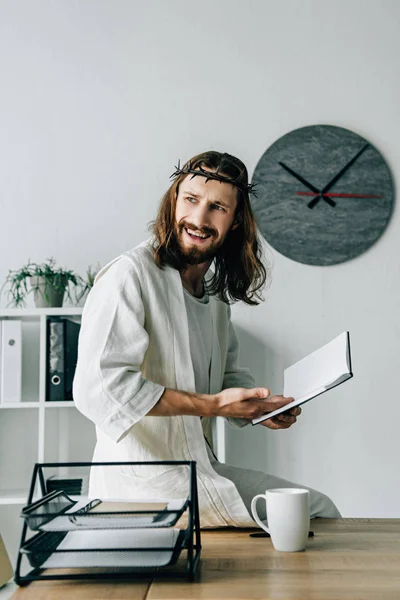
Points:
(316, 373)
(319, 369)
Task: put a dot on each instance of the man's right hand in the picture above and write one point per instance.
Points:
(240, 403)
(243, 403)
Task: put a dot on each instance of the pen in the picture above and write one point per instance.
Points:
(259, 534)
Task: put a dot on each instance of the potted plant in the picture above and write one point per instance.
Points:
(91, 273)
(48, 284)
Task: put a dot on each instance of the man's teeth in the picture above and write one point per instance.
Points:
(201, 235)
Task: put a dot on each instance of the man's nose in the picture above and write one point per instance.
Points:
(200, 215)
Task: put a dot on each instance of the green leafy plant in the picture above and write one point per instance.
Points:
(91, 273)
(58, 279)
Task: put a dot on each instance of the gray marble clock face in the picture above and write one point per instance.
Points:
(324, 195)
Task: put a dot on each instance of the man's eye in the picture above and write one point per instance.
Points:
(190, 199)
(218, 207)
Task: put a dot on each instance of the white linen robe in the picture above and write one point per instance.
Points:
(134, 342)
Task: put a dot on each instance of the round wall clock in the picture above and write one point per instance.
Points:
(324, 195)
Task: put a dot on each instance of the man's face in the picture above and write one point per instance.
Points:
(208, 210)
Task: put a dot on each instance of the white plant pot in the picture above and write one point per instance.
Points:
(46, 295)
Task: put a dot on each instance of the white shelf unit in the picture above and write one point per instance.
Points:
(34, 430)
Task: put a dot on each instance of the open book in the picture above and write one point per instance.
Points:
(313, 375)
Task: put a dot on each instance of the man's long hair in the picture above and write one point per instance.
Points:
(238, 273)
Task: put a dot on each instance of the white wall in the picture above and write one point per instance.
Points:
(100, 98)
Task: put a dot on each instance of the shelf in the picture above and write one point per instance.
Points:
(33, 430)
(19, 450)
(13, 496)
(62, 404)
(37, 312)
(19, 404)
(63, 427)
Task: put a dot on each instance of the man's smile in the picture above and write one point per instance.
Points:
(196, 236)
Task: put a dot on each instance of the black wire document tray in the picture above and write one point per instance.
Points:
(121, 537)
(56, 511)
(106, 548)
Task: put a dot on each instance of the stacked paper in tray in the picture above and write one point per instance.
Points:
(96, 533)
(117, 515)
(114, 548)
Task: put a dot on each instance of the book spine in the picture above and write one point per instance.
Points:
(11, 360)
(55, 388)
(71, 336)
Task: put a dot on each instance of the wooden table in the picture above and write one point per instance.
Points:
(348, 559)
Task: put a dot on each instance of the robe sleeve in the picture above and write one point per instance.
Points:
(109, 387)
(235, 376)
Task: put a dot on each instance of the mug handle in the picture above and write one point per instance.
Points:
(254, 512)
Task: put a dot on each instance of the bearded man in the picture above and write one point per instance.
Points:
(158, 354)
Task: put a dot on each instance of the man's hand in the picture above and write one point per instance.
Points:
(240, 403)
(243, 403)
(284, 420)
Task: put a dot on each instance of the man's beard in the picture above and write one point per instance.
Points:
(194, 255)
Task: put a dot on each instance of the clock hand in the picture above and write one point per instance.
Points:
(316, 199)
(310, 186)
(334, 195)
(299, 177)
(343, 171)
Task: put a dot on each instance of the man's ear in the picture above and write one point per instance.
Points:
(237, 221)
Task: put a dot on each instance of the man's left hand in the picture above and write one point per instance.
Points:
(284, 420)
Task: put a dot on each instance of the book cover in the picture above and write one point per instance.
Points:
(315, 374)
(6, 571)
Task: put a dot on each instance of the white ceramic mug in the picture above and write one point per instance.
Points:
(288, 517)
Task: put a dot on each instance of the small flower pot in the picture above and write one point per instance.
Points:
(45, 295)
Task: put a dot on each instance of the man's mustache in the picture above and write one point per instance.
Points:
(204, 230)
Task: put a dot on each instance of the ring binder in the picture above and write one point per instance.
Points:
(55, 366)
(62, 356)
(11, 360)
(139, 537)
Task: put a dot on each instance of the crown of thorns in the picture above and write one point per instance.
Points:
(188, 169)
